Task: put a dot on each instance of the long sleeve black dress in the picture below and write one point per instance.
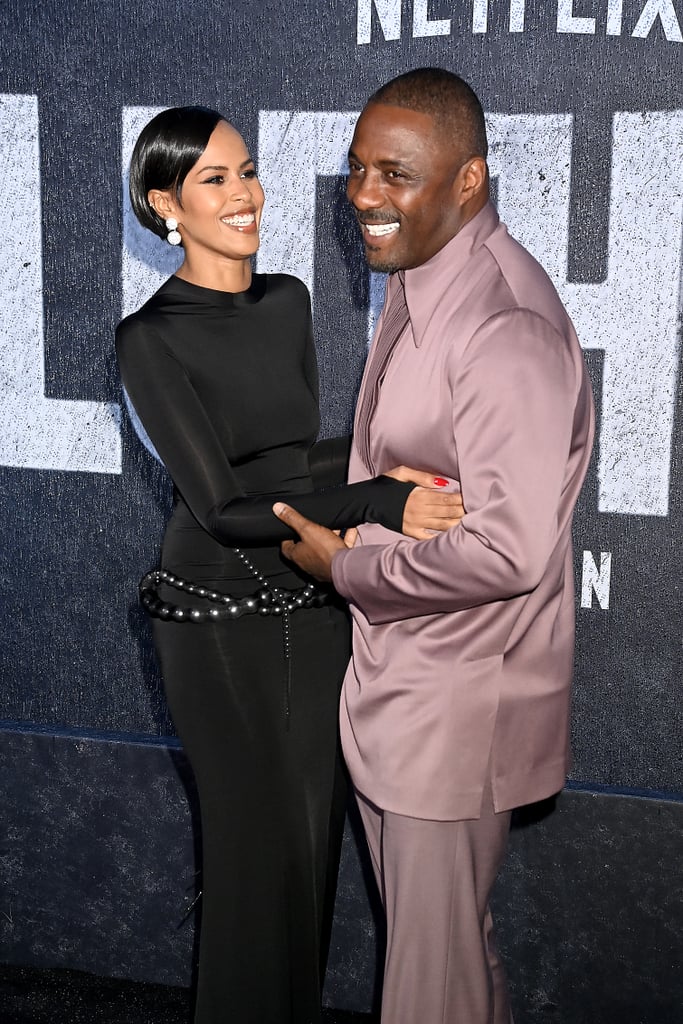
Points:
(226, 387)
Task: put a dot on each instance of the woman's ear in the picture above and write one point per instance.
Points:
(163, 203)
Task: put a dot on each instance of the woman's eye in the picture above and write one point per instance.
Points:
(251, 173)
(216, 179)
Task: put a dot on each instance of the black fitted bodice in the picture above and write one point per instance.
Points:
(226, 387)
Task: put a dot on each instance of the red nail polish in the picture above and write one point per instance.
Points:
(440, 482)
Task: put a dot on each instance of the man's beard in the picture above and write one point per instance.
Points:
(375, 260)
(379, 266)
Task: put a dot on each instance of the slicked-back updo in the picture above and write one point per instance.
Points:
(166, 150)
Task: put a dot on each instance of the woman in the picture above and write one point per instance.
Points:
(220, 367)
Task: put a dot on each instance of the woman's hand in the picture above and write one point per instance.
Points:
(429, 509)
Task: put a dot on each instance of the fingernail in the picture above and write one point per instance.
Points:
(440, 482)
(278, 508)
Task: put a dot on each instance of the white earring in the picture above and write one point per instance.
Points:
(173, 236)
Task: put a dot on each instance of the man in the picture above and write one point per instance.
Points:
(456, 704)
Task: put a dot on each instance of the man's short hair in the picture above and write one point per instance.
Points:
(448, 99)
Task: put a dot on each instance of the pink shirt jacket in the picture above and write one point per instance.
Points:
(463, 644)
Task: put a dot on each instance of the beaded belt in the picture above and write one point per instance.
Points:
(268, 600)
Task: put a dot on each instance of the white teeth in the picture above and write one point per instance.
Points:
(381, 229)
(240, 220)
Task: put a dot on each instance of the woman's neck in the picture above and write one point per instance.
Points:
(221, 275)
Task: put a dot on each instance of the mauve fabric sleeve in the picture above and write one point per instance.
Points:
(182, 433)
(517, 393)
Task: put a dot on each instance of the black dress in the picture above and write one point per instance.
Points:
(226, 387)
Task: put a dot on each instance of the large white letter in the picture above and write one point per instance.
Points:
(389, 14)
(422, 26)
(37, 432)
(530, 155)
(633, 315)
(517, 11)
(567, 22)
(596, 581)
(614, 16)
(664, 10)
(294, 148)
(480, 15)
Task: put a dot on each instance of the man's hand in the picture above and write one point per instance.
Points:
(314, 552)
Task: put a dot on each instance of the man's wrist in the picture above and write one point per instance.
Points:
(337, 570)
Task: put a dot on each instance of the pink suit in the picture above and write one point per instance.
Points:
(456, 702)
(463, 644)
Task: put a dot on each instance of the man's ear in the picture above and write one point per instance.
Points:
(164, 202)
(471, 179)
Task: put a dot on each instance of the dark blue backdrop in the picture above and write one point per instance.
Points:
(586, 119)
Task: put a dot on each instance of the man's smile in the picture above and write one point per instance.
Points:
(377, 230)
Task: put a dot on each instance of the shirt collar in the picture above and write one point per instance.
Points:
(425, 284)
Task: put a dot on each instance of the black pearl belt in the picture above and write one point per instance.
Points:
(268, 600)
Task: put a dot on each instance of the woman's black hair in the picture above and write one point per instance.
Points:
(167, 148)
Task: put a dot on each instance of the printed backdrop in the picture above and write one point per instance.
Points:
(584, 100)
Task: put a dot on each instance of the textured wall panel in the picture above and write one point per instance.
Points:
(97, 865)
(586, 124)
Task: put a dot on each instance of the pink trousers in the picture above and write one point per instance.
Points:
(435, 879)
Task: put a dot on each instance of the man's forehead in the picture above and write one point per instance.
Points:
(389, 116)
(395, 132)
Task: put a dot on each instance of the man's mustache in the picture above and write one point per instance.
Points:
(377, 218)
